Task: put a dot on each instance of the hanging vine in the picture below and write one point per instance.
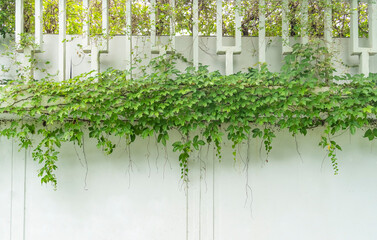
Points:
(306, 94)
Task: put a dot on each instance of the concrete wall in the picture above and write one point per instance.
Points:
(287, 197)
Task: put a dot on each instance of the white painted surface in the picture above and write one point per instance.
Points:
(327, 35)
(288, 198)
(224, 49)
(110, 204)
(161, 47)
(195, 33)
(363, 51)
(19, 20)
(115, 58)
(39, 22)
(304, 22)
(128, 33)
(5, 186)
(262, 31)
(172, 23)
(62, 46)
(285, 31)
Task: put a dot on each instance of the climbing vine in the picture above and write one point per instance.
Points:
(203, 106)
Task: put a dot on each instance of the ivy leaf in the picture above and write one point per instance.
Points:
(352, 129)
(369, 134)
(257, 132)
(375, 132)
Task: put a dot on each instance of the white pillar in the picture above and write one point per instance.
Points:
(105, 26)
(363, 52)
(304, 22)
(129, 35)
(372, 21)
(219, 26)
(19, 29)
(62, 39)
(155, 49)
(86, 29)
(19, 21)
(354, 28)
(96, 46)
(238, 19)
(262, 32)
(195, 34)
(285, 28)
(38, 23)
(172, 28)
(229, 51)
(155, 45)
(328, 24)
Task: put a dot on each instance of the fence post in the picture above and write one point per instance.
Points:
(195, 34)
(363, 52)
(156, 46)
(86, 28)
(129, 36)
(28, 51)
(19, 21)
(155, 49)
(262, 32)
(105, 27)
(285, 28)
(304, 22)
(92, 45)
(62, 39)
(171, 48)
(38, 24)
(328, 24)
(229, 51)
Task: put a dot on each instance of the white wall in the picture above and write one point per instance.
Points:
(289, 198)
(284, 198)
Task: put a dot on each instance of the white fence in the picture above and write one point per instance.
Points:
(98, 47)
(79, 61)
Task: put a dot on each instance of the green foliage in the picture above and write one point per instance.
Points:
(75, 16)
(254, 104)
(6, 17)
(23, 64)
(183, 17)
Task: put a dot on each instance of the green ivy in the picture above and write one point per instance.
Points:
(183, 17)
(203, 106)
